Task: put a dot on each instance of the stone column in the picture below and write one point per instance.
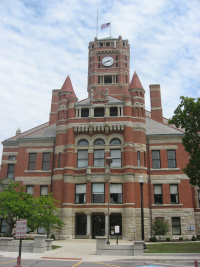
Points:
(106, 224)
(89, 225)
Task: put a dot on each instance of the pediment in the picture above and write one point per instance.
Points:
(99, 96)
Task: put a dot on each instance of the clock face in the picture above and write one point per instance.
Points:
(107, 61)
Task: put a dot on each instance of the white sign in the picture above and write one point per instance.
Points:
(117, 230)
(21, 226)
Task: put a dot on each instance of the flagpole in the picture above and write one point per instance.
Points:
(97, 24)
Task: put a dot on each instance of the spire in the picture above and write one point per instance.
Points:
(135, 82)
(67, 86)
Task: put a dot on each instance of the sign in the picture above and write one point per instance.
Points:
(21, 226)
(117, 229)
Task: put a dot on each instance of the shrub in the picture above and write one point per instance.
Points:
(53, 237)
(160, 227)
(180, 238)
(167, 239)
(153, 239)
(194, 238)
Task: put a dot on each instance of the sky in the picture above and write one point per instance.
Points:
(42, 41)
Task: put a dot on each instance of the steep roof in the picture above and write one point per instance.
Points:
(67, 86)
(135, 82)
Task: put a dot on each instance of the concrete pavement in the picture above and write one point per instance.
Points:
(85, 250)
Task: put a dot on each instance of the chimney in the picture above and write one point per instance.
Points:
(156, 105)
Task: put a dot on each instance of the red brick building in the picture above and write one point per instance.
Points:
(67, 155)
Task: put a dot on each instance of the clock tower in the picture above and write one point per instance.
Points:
(108, 66)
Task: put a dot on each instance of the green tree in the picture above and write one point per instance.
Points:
(160, 226)
(187, 116)
(15, 204)
(39, 211)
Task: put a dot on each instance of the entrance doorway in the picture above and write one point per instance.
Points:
(98, 225)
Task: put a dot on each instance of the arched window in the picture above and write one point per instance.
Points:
(99, 154)
(115, 153)
(82, 154)
(83, 142)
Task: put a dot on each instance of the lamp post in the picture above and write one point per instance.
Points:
(108, 161)
(141, 181)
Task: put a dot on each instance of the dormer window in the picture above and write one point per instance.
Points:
(84, 113)
(101, 44)
(113, 111)
(107, 44)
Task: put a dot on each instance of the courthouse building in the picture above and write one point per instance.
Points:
(68, 155)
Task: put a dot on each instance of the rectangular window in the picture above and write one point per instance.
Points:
(108, 79)
(115, 220)
(82, 158)
(32, 161)
(80, 193)
(12, 157)
(81, 224)
(85, 113)
(59, 160)
(174, 193)
(3, 226)
(171, 156)
(29, 189)
(113, 111)
(46, 161)
(176, 226)
(116, 157)
(99, 112)
(99, 158)
(158, 194)
(156, 159)
(98, 193)
(10, 171)
(199, 197)
(44, 190)
(116, 193)
(138, 158)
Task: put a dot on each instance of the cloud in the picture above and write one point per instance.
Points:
(41, 42)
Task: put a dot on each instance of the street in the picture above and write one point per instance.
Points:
(11, 262)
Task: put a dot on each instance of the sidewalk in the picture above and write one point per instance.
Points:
(85, 250)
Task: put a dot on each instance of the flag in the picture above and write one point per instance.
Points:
(105, 25)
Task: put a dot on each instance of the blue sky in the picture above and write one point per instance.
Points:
(42, 41)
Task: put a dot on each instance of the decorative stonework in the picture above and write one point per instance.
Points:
(34, 180)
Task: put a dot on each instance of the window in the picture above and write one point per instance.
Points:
(138, 158)
(81, 224)
(116, 193)
(199, 197)
(174, 194)
(108, 79)
(171, 156)
(101, 44)
(99, 158)
(59, 160)
(99, 112)
(98, 193)
(32, 161)
(84, 113)
(46, 161)
(41, 230)
(115, 141)
(82, 158)
(176, 226)
(83, 142)
(80, 193)
(116, 157)
(158, 194)
(43, 190)
(156, 159)
(10, 171)
(12, 157)
(3, 226)
(29, 189)
(107, 44)
(113, 111)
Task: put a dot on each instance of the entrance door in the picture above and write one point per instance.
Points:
(98, 225)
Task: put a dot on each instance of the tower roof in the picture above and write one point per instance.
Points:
(67, 86)
(135, 82)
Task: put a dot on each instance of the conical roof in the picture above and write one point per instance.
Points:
(67, 86)
(135, 82)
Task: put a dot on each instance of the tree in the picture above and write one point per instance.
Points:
(39, 211)
(187, 116)
(15, 204)
(160, 226)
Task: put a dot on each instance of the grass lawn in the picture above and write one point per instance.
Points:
(179, 247)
